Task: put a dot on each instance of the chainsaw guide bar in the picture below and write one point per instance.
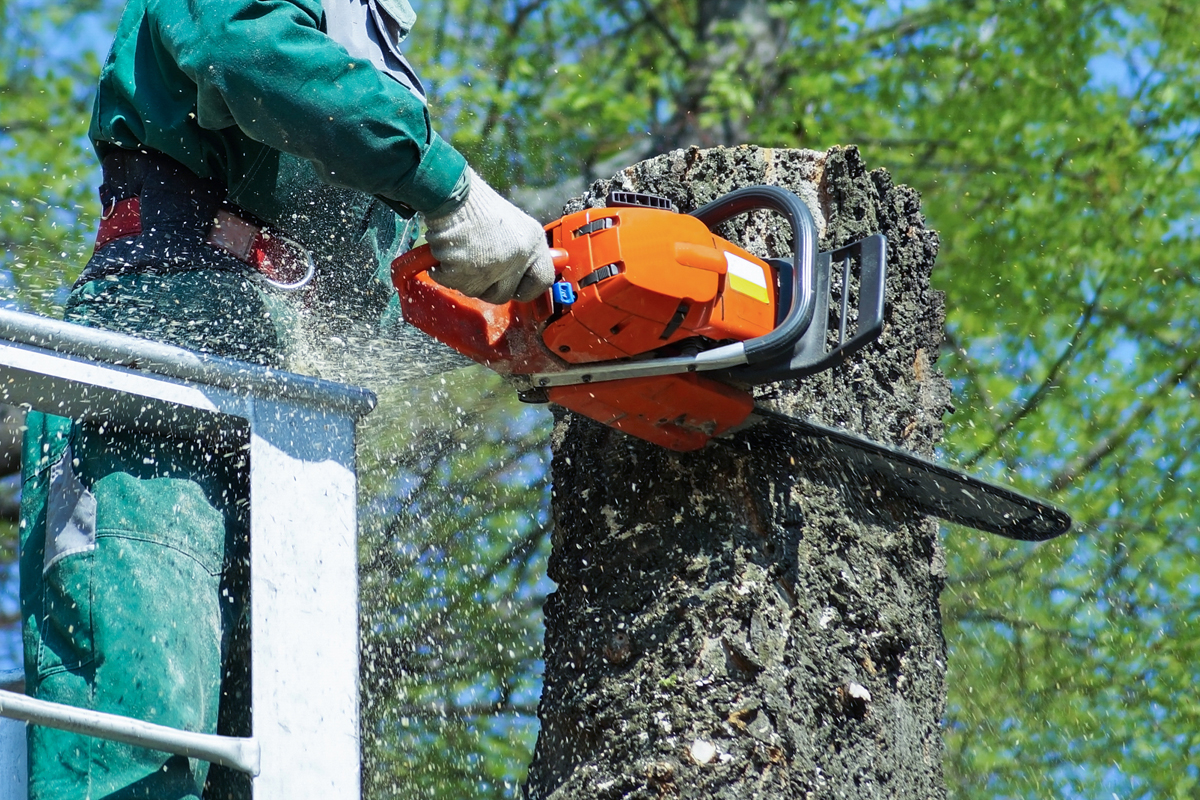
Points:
(927, 486)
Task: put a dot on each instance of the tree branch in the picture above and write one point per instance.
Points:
(1118, 437)
(1047, 384)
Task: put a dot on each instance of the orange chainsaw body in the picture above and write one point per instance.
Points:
(646, 278)
(639, 281)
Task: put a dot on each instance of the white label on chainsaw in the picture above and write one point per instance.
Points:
(746, 277)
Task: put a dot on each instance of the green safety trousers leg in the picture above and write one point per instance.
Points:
(134, 558)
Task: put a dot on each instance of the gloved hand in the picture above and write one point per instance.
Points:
(489, 248)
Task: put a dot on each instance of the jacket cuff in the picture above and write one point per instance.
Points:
(440, 183)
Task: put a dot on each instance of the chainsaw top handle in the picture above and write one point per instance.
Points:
(795, 321)
(799, 345)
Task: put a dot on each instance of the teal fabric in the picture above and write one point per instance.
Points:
(352, 236)
(302, 135)
(150, 621)
(135, 626)
(227, 87)
(206, 310)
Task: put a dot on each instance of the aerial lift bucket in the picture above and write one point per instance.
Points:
(300, 433)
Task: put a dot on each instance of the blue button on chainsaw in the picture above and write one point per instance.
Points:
(563, 293)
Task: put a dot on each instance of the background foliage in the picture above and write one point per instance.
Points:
(47, 69)
(453, 578)
(1054, 145)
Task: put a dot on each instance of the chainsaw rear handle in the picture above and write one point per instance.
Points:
(420, 259)
(799, 315)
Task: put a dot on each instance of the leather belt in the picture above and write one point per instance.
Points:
(281, 262)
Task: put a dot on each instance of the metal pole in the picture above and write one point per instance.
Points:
(240, 754)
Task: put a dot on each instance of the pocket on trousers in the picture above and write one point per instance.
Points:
(168, 512)
(70, 544)
(153, 543)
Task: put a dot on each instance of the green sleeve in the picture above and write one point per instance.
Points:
(266, 67)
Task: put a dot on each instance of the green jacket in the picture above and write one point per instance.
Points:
(230, 88)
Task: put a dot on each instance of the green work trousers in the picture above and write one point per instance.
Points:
(134, 556)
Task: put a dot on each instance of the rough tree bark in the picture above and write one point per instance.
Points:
(747, 621)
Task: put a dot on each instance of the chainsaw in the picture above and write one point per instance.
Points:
(660, 328)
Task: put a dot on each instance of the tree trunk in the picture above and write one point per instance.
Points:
(746, 621)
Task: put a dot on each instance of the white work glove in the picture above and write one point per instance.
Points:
(489, 248)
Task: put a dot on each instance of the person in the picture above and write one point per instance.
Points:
(260, 159)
